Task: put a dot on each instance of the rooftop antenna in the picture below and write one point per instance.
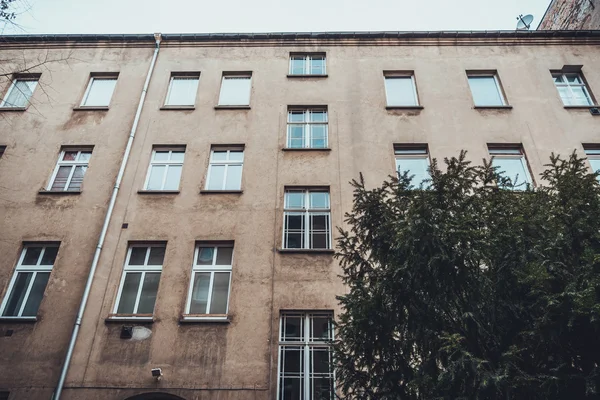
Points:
(524, 22)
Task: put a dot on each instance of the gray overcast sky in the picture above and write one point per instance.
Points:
(184, 16)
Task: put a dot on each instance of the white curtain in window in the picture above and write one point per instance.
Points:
(235, 91)
(20, 93)
(182, 91)
(100, 92)
(400, 91)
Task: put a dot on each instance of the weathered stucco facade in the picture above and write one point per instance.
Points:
(236, 359)
(571, 15)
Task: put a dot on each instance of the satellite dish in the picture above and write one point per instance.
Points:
(524, 22)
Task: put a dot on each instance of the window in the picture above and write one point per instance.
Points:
(99, 90)
(305, 356)
(139, 284)
(20, 92)
(400, 90)
(512, 164)
(307, 128)
(235, 90)
(307, 64)
(593, 155)
(2, 150)
(306, 219)
(70, 169)
(211, 277)
(182, 89)
(165, 168)
(225, 168)
(27, 286)
(415, 160)
(572, 89)
(486, 89)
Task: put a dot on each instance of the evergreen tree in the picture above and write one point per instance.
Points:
(463, 290)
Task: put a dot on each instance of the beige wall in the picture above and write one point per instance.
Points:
(237, 360)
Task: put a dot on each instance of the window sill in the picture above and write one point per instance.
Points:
(91, 108)
(404, 107)
(582, 107)
(158, 191)
(307, 251)
(177, 108)
(307, 76)
(141, 318)
(221, 191)
(306, 149)
(204, 318)
(232, 107)
(13, 108)
(8, 320)
(59, 192)
(505, 107)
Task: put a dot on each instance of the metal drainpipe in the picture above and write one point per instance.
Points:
(113, 199)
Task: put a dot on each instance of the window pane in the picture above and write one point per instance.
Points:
(149, 290)
(400, 91)
(129, 293)
(294, 199)
(318, 116)
(160, 156)
(235, 91)
(20, 93)
(60, 180)
(219, 156)
(321, 328)
(70, 156)
(220, 293)
(512, 168)
(297, 65)
(236, 156)
(293, 360)
(485, 91)
(32, 255)
(200, 293)
(292, 329)
(297, 116)
(85, 156)
(317, 66)
(320, 360)
(558, 79)
(234, 178)
(77, 178)
(138, 255)
(177, 156)
(36, 294)
(319, 200)
(565, 95)
(294, 240)
(224, 255)
(156, 177)
(216, 177)
(49, 256)
(294, 221)
(100, 92)
(322, 388)
(320, 240)
(291, 388)
(15, 300)
(173, 177)
(157, 255)
(318, 136)
(183, 91)
(581, 96)
(296, 136)
(205, 256)
(416, 167)
(573, 78)
(595, 164)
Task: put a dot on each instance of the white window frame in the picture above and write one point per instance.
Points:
(13, 86)
(307, 343)
(307, 138)
(570, 86)
(72, 164)
(411, 152)
(307, 212)
(496, 81)
(166, 164)
(143, 269)
(209, 269)
(401, 75)
(514, 152)
(236, 76)
(185, 76)
(27, 268)
(227, 163)
(93, 78)
(592, 152)
(307, 63)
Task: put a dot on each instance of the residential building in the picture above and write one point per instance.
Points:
(201, 182)
(571, 15)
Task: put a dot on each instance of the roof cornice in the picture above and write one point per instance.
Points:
(421, 38)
